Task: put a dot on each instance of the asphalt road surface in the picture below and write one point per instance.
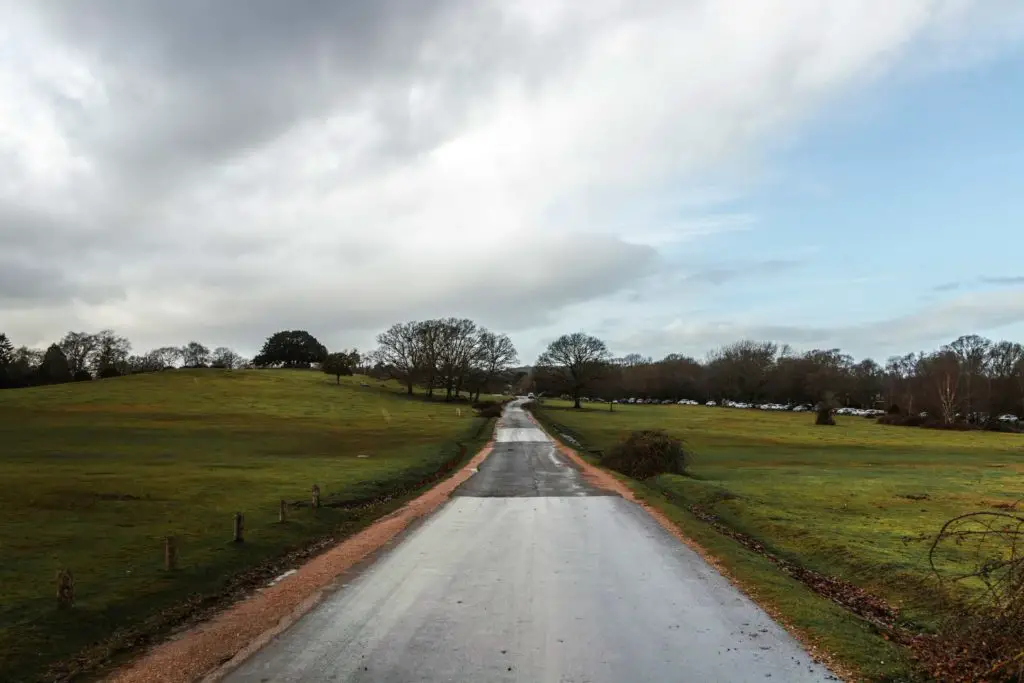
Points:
(530, 575)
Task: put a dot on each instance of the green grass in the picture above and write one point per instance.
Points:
(95, 475)
(834, 499)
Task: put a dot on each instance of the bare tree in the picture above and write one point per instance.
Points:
(496, 355)
(457, 349)
(400, 352)
(111, 356)
(165, 356)
(195, 355)
(942, 372)
(577, 360)
(223, 357)
(78, 348)
(973, 354)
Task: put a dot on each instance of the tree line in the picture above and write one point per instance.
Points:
(453, 355)
(83, 356)
(972, 379)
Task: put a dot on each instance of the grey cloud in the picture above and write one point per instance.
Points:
(1015, 280)
(192, 83)
(522, 286)
(720, 275)
(24, 284)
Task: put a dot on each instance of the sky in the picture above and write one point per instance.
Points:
(669, 175)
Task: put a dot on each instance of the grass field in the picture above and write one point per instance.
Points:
(840, 500)
(95, 475)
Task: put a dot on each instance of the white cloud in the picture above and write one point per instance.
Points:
(995, 311)
(229, 173)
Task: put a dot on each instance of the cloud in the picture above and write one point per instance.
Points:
(946, 287)
(182, 169)
(721, 275)
(929, 327)
(989, 280)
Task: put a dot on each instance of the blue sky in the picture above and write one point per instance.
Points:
(901, 197)
(670, 175)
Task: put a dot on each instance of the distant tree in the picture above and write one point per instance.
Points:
(399, 353)
(972, 354)
(575, 360)
(79, 348)
(195, 355)
(6, 351)
(54, 368)
(340, 363)
(111, 356)
(942, 373)
(290, 349)
(6, 361)
(165, 356)
(22, 370)
(496, 354)
(225, 358)
(740, 371)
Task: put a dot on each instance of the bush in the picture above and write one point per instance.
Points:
(648, 453)
(82, 376)
(897, 420)
(825, 417)
(488, 409)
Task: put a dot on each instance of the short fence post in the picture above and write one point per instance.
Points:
(316, 496)
(239, 528)
(282, 515)
(170, 553)
(65, 589)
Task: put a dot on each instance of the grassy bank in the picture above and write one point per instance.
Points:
(856, 501)
(96, 475)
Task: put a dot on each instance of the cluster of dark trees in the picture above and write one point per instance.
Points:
(83, 356)
(972, 379)
(452, 354)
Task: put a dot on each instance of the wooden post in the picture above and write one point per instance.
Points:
(282, 515)
(239, 535)
(316, 496)
(65, 589)
(170, 553)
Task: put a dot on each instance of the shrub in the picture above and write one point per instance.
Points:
(648, 453)
(897, 420)
(82, 376)
(893, 410)
(488, 409)
(824, 416)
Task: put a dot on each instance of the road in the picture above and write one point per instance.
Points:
(528, 574)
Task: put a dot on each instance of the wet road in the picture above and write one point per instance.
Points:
(529, 574)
